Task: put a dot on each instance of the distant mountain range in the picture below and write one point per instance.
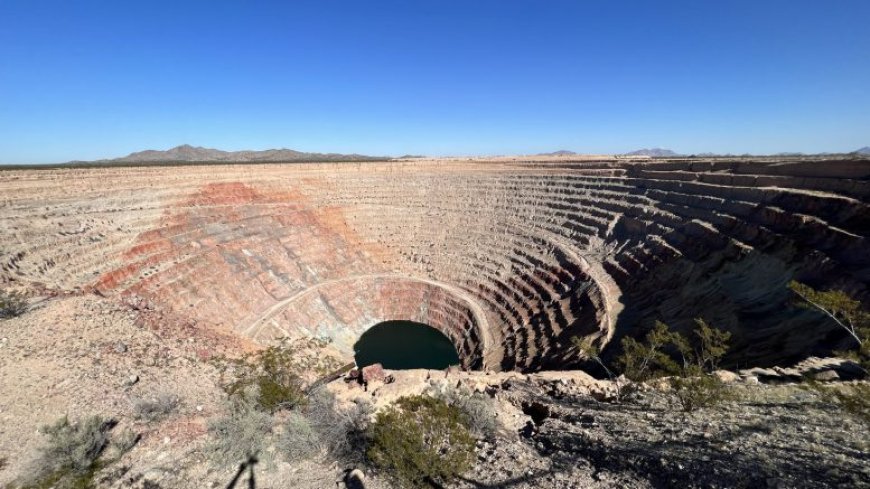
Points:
(188, 153)
(652, 152)
(661, 152)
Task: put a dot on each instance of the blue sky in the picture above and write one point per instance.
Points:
(86, 80)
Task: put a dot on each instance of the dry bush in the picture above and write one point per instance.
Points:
(342, 432)
(478, 409)
(155, 408)
(124, 441)
(299, 441)
(243, 432)
(72, 456)
(12, 304)
(421, 441)
(320, 426)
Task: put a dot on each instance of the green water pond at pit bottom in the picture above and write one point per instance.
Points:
(402, 345)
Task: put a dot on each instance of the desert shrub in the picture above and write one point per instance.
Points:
(477, 408)
(71, 457)
(421, 441)
(124, 441)
(641, 361)
(593, 352)
(658, 355)
(266, 379)
(272, 378)
(693, 386)
(320, 426)
(342, 432)
(846, 312)
(299, 441)
(696, 389)
(12, 304)
(155, 408)
(238, 435)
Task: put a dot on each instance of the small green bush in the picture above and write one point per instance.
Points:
(693, 385)
(690, 380)
(696, 389)
(240, 434)
(272, 378)
(12, 304)
(642, 361)
(266, 379)
(420, 442)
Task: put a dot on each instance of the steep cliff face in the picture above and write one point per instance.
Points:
(509, 259)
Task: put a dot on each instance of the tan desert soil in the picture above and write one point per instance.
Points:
(84, 355)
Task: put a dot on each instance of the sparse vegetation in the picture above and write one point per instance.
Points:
(421, 442)
(267, 379)
(853, 399)
(694, 386)
(319, 426)
(124, 442)
(695, 389)
(691, 381)
(642, 361)
(272, 379)
(12, 304)
(156, 408)
(238, 435)
(846, 312)
(299, 440)
(478, 409)
(342, 432)
(73, 453)
(593, 352)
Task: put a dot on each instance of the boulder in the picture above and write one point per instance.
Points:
(373, 373)
(726, 376)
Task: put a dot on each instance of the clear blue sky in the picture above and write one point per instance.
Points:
(93, 79)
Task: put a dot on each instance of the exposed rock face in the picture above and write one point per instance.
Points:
(509, 259)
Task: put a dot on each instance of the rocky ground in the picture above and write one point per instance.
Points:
(85, 355)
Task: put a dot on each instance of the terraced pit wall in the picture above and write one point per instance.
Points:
(510, 259)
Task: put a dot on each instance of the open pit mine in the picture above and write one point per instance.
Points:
(509, 258)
